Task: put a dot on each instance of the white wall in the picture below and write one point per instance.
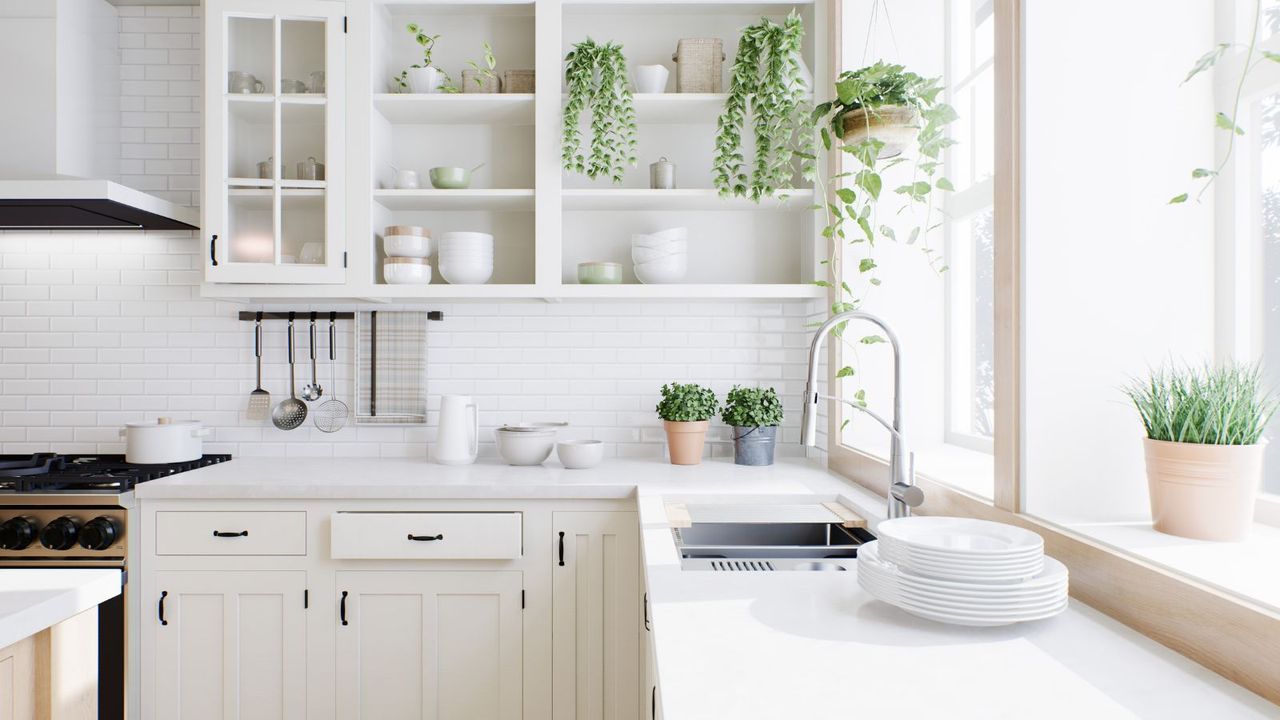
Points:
(1116, 280)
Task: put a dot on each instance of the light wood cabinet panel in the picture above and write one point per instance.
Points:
(18, 680)
(429, 645)
(598, 621)
(228, 646)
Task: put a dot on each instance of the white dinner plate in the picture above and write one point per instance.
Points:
(954, 619)
(1053, 576)
(963, 536)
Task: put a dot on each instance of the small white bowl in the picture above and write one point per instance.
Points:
(667, 270)
(411, 246)
(465, 273)
(644, 255)
(525, 448)
(661, 238)
(580, 454)
(459, 236)
(403, 273)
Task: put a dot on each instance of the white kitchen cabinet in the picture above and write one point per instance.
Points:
(277, 224)
(429, 645)
(226, 645)
(597, 617)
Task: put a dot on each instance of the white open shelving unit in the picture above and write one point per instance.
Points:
(545, 220)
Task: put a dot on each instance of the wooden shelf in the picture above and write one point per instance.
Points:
(430, 199)
(456, 109)
(678, 200)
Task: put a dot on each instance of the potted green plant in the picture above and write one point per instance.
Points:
(686, 410)
(754, 414)
(770, 84)
(596, 74)
(423, 77)
(1204, 447)
(482, 78)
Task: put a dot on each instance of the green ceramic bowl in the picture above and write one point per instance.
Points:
(599, 273)
(450, 178)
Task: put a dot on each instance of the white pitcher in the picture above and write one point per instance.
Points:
(457, 437)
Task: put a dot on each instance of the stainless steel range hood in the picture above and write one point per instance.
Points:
(78, 204)
(60, 138)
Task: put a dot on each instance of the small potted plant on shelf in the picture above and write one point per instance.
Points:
(1204, 447)
(686, 410)
(422, 77)
(596, 75)
(754, 414)
(482, 78)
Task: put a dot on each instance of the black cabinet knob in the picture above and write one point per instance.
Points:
(17, 533)
(99, 533)
(60, 534)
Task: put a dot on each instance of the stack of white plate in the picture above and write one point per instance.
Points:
(466, 258)
(963, 571)
(661, 257)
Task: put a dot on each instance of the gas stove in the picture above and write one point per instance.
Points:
(49, 473)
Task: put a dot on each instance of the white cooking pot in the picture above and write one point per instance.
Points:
(163, 441)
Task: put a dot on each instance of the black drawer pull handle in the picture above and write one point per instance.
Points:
(242, 533)
(562, 549)
(425, 538)
(342, 609)
(163, 594)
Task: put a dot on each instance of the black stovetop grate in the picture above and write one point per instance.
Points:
(50, 473)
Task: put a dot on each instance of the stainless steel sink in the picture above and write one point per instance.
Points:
(764, 547)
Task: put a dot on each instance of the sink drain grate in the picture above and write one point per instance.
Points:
(742, 565)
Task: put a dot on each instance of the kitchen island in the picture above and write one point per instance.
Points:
(741, 645)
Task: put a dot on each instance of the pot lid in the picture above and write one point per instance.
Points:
(161, 422)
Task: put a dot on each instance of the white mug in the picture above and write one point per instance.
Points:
(457, 436)
(407, 180)
(651, 78)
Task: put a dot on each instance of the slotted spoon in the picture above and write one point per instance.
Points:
(331, 414)
(290, 412)
(259, 400)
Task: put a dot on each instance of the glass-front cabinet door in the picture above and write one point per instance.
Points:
(274, 141)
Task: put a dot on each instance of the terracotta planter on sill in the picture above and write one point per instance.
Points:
(894, 125)
(685, 441)
(1205, 492)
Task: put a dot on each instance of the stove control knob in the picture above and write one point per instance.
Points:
(17, 533)
(60, 534)
(99, 533)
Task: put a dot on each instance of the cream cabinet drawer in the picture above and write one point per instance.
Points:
(426, 536)
(231, 532)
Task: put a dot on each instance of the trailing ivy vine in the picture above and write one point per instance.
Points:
(597, 78)
(767, 79)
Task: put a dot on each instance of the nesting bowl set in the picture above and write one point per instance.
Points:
(463, 258)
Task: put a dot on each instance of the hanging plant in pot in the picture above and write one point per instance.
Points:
(769, 80)
(686, 411)
(754, 414)
(423, 77)
(597, 78)
(887, 103)
(1204, 447)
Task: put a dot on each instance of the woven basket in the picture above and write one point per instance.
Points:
(894, 125)
(699, 65)
(517, 81)
(486, 85)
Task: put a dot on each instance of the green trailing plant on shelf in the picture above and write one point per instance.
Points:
(768, 82)
(750, 407)
(596, 74)
(428, 45)
(1253, 57)
(487, 70)
(1225, 405)
(883, 116)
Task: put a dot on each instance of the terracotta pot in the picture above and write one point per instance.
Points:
(1206, 492)
(894, 125)
(685, 441)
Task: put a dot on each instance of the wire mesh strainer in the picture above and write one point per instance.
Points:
(331, 414)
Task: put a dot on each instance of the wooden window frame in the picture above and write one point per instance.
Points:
(1235, 638)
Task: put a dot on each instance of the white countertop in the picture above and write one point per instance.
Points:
(785, 646)
(37, 598)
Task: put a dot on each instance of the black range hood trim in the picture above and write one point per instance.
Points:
(81, 214)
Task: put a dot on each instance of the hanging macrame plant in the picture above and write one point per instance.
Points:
(597, 79)
(768, 79)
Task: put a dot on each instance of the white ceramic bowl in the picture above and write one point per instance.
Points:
(414, 246)
(644, 255)
(458, 236)
(465, 273)
(525, 448)
(580, 454)
(666, 270)
(459, 253)
(656, 239)
(400, 273)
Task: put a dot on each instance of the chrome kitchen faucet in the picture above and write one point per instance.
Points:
(903, 493)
